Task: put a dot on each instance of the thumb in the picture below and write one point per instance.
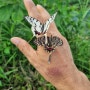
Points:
(25, 48)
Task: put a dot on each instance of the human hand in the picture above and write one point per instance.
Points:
(61, 72)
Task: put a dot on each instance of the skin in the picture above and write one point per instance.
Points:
(61, 71)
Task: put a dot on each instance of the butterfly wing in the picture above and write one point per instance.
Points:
(56, 41)
(40, 41)
(36, 24)
(47, 23)
(33, 21)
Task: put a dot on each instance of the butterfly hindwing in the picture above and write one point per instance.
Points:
(40, 41)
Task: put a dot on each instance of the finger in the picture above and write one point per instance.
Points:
(29, 5)
(32, 10)
(52, 29)
(43, 12)
(25, 48)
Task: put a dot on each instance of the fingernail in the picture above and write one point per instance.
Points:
(15, 40)
(39, 6)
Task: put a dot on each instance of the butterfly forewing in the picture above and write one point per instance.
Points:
(57, 41)
(36, 24)
(47, 23)
(40, 41)
(32, 21)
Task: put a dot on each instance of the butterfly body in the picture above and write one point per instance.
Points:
(49, 49)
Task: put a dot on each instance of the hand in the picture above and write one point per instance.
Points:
(61, 72)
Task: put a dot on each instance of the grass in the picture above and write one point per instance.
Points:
(73, 21)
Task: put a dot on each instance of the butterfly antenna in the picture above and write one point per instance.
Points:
(31, 39)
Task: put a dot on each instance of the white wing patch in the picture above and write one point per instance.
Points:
(39, 28)
(50, 20)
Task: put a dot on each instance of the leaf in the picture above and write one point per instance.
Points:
(17, 17)
(5, 12)
(2, 73)
(7, 50)
(9, 72)
(0, 83)
(4, 2)
(9, 60)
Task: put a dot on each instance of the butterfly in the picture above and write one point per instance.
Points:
(50, 46)
(52, 42)
(39, 28)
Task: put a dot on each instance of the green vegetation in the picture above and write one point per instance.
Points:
(73, 21)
